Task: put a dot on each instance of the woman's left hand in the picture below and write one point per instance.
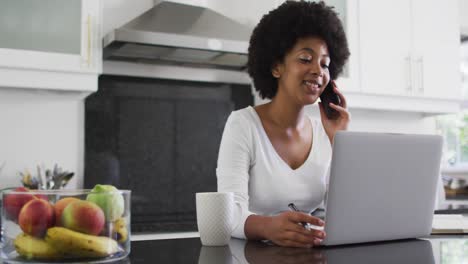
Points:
(341, 123)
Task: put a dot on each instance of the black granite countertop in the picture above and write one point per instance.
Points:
(436, 250)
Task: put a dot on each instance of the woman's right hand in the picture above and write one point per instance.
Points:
(285, 229)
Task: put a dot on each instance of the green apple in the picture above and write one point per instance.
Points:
(109, 199)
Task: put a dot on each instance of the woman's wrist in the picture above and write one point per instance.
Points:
(257, 227)
(266, 227)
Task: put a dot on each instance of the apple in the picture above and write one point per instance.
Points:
(60, 206)
(83, 216)
(36, 217)
(109, 199)
(15, 201)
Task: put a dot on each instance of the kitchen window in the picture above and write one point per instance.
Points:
(454, 128)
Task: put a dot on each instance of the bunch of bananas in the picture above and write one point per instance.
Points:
(79, 244)
(35, 248)
(61, 243)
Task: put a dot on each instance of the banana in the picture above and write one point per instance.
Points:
(35, 248)
(120, 231)
(81, 245)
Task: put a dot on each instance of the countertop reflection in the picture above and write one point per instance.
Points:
(414, 251)
(437, 250)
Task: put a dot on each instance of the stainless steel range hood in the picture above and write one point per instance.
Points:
(179, 34)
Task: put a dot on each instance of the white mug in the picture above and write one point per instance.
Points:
(214, 217)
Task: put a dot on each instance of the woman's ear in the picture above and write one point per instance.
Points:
(276, 71)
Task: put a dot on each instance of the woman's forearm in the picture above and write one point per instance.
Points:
(256, 227)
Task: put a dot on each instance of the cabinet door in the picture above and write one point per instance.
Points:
(436, 64)
(50, 35)
(385, 43)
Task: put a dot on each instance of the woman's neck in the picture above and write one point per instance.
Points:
(285, 114)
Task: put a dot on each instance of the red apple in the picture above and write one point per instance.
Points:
(14, 202)
(83, 216)
(36, 216)
(60, 206)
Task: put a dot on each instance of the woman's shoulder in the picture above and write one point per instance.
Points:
(240, 126)
(243, 116)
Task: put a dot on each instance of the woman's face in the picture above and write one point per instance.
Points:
(304, 74)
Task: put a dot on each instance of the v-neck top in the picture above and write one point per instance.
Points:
(262, 182)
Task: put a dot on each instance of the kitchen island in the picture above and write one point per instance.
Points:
(434, 249)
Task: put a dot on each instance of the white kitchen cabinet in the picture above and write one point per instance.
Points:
(408, 50)
(436, 49)
(50, 44)
(385, 46)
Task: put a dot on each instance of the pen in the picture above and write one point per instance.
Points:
(293, 207)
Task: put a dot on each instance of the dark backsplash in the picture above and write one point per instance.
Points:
(160, 139)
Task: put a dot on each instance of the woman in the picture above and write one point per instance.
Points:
(275, 154)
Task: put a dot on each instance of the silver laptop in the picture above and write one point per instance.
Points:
(382, 187)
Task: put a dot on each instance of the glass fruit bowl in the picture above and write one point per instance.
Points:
(65, 226)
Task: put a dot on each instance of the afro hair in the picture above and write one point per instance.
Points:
(280, 29)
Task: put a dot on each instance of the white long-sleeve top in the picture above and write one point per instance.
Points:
(262, 182)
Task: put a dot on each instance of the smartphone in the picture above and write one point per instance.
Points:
(329, 96)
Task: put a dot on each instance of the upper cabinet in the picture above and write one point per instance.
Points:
(407, 50)
(436, 56)
(385, 45)
(50, 44)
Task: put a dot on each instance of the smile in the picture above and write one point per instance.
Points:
(312, 86)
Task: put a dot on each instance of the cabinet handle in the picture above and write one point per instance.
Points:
(88, 51)
(420, 63)
(409, 75)
(88, 42)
